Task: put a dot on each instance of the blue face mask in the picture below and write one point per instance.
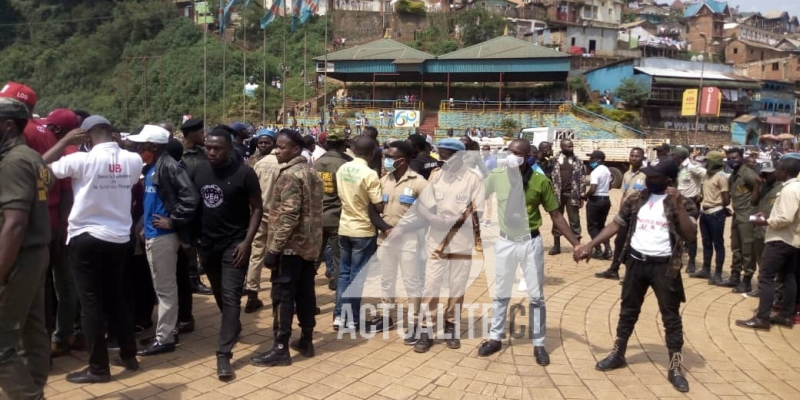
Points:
(531, 160)
(388, 164)
(593, 164)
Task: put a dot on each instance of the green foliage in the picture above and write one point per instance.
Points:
(634, 94)
(134, 61)
(629, 118)
(410, 7)
(510, 127)
(479, 25)
(434, 40)
(628, 16)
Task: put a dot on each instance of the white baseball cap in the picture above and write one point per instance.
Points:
(151, 134)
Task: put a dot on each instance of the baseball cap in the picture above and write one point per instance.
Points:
(62, 118)
(93, 121)
(322, 137)
(238, 126)
(597, 155)
(20, 92)
(13, 109)
(767, 167)
(666, 167)
(662, 147)
(151, 134)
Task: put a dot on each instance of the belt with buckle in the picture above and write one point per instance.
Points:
(645, 258)
(533, 235)
(712, 210)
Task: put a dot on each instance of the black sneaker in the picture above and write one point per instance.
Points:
(376, 325)
(186, 327)
(608, 274)
(112, 344)
(489, 347)
(423, 344)
(411, 336)
(253, 305)
(276, 356)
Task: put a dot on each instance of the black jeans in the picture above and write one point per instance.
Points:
(226, 284)
(293, 285)
(144, 296)
(619, 243)
(99, 276)
(182, 274)
(778, 257)
(712, 228)
(669, 293)
(597, 209)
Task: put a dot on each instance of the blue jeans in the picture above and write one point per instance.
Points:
(355, 253)
(712, 227)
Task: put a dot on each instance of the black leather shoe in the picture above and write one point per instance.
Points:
(608, 274)
(731, 282)
(782, 321)
(253, 305)
(411, 336)
(148, 341)
(675, 373)
(607, 254)
(754, 323)
(489, 347)
(304, 346)
(87, 376)
(744, 287)
(156, 348)
(199, 288)
(186, 327)
(278, 355)
(690, 268)
(704, 273)
(423, 344)
(131, 364)
(616, 359)
(716, 279)
(224, 368)
(453, 341)
(542, 358)
(377, 325)
(597, 255)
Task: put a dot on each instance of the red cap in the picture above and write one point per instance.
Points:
(63, 118)
(38, 137)
(322, 136)
(20, 92)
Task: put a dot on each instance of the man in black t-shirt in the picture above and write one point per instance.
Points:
(421, 162)
(229, 218)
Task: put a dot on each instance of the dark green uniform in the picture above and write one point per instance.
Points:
(741, 185)
(24, 186)
(769, 191)
(326, 166)
(192, 157)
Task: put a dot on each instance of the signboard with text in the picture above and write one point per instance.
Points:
(710, 101)
(689, 105)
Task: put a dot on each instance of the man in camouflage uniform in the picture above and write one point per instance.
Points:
(764, 193)
(294, 240)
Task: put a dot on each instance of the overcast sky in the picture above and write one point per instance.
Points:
(790, 6)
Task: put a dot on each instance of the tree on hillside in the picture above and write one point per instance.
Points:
(633, 93)
(479, 25)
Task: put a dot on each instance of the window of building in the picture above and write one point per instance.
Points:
(610, 12)
(572, 42)
(592, 46)
(775, 66)
(735, 50)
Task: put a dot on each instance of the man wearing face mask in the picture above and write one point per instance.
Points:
(543, 158)
(764, 194)
(598, 203)
(520, 192)
(170, 205)
(567, 177)
(716, 198)
(661, 220)
(741, 183)
(452, 204)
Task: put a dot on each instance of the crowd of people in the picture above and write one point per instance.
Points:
(117, 229)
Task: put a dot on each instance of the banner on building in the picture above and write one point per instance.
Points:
(711, 101)
(689, 105)
(406, 118)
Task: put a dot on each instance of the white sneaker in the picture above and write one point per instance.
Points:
(522, 287)
(337, 323)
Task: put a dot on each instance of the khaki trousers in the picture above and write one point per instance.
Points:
(456, 269)
(257, 253)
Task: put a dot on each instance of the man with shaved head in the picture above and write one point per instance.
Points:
(569, 186)
(520, 191)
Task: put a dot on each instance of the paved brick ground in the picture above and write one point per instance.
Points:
(723, 361)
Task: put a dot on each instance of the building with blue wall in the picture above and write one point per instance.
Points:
(775, 106)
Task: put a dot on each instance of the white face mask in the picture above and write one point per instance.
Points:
(514, 161)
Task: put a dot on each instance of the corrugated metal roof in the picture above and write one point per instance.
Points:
(759, 45)
(773, 14)
(686, 74)
(746, 118)
(718, 7)
(383, 49)
(503, 47)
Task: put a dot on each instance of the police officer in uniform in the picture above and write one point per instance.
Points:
(25, 237)
(741, 184)
(326, 166)
(764, 193)
(294, 241)
(661, 220)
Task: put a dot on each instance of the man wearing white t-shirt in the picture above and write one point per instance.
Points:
(598, 203)
(99, 236)
(661, 220)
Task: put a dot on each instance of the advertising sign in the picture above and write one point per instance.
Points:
(689, 105)
(711, 101)
(406, 118)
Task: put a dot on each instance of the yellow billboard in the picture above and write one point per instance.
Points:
(689, 105)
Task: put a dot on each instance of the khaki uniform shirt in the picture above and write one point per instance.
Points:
(690, 179)
(26, 181)
(267, 170)
(451, 193)
(632, 182)
(358, 187)
(398, 197)
(741, 184)
(713, 187)
(784, 220)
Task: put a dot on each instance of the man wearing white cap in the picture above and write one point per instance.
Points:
(99, 236)
(170, 204)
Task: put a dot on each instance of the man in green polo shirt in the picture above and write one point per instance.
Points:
(520, 191)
